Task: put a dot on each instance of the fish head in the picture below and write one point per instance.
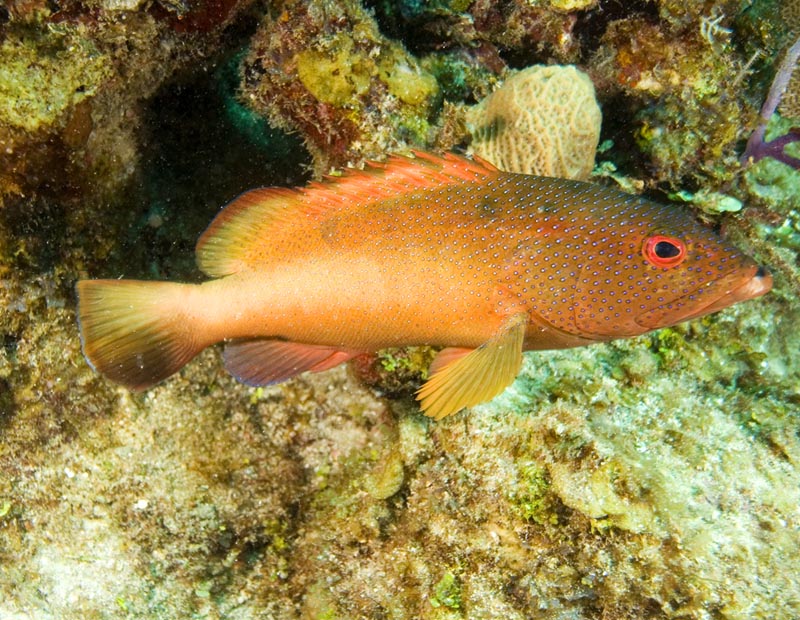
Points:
(656, 266)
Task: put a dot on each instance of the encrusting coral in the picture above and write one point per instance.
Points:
(544, 120)
(685, 78)
(73, 77)
(326, 71)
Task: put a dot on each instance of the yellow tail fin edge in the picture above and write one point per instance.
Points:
(135, 333)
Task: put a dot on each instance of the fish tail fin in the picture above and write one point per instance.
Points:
(136, 333)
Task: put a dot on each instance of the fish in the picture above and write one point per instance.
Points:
(425, 249)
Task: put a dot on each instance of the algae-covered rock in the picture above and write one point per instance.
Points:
(351, 92)
(686, 85)
(43, 77)
(72, 84)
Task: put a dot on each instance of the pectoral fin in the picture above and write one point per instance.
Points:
(470, 378)
(264, 362)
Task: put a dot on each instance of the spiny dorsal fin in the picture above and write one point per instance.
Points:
(478, 376)
(225, 247)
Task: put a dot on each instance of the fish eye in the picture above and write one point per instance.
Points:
(663, 251)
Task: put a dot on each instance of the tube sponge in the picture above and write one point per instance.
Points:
(544, 120)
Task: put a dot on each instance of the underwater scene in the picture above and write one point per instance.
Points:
(400, 309)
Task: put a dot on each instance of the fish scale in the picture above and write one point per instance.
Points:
(431, 250)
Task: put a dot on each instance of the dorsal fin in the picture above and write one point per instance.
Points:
(225, 246)
(222, 249)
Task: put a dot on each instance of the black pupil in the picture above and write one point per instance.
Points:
(665, 249)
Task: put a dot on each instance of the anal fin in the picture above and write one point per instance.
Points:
(447, 356)
(260, 361)
(466, 379)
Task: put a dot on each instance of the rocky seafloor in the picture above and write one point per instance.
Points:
(656, 477)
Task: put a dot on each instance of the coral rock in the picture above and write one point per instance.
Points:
(572, 5)
(543, 120)
(349, 91)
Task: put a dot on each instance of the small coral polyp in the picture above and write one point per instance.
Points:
(544, 120)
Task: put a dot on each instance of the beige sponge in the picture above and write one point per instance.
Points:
(543, 120)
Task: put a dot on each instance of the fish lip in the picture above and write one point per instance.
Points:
(743, 284)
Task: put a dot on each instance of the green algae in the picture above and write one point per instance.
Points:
(571, 5)
(341, 73)
(533, 497)
(405, 80)
(447, 592)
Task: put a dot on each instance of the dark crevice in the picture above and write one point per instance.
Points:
(200, 148)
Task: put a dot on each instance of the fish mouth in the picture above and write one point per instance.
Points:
(739, 285)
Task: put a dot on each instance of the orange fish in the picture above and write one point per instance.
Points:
(434, 250)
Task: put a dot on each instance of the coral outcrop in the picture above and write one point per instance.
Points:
(71, 86)
(325, 70)
(544, 120)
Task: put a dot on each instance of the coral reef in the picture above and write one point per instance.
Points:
(676, 74)
(651, 478)
(664, 484)
(71, 86)
(496, 33)
(326, 71)
(543, 120)
(784, 84)
(687, 74)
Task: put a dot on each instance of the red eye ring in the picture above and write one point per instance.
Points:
(663, 251)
